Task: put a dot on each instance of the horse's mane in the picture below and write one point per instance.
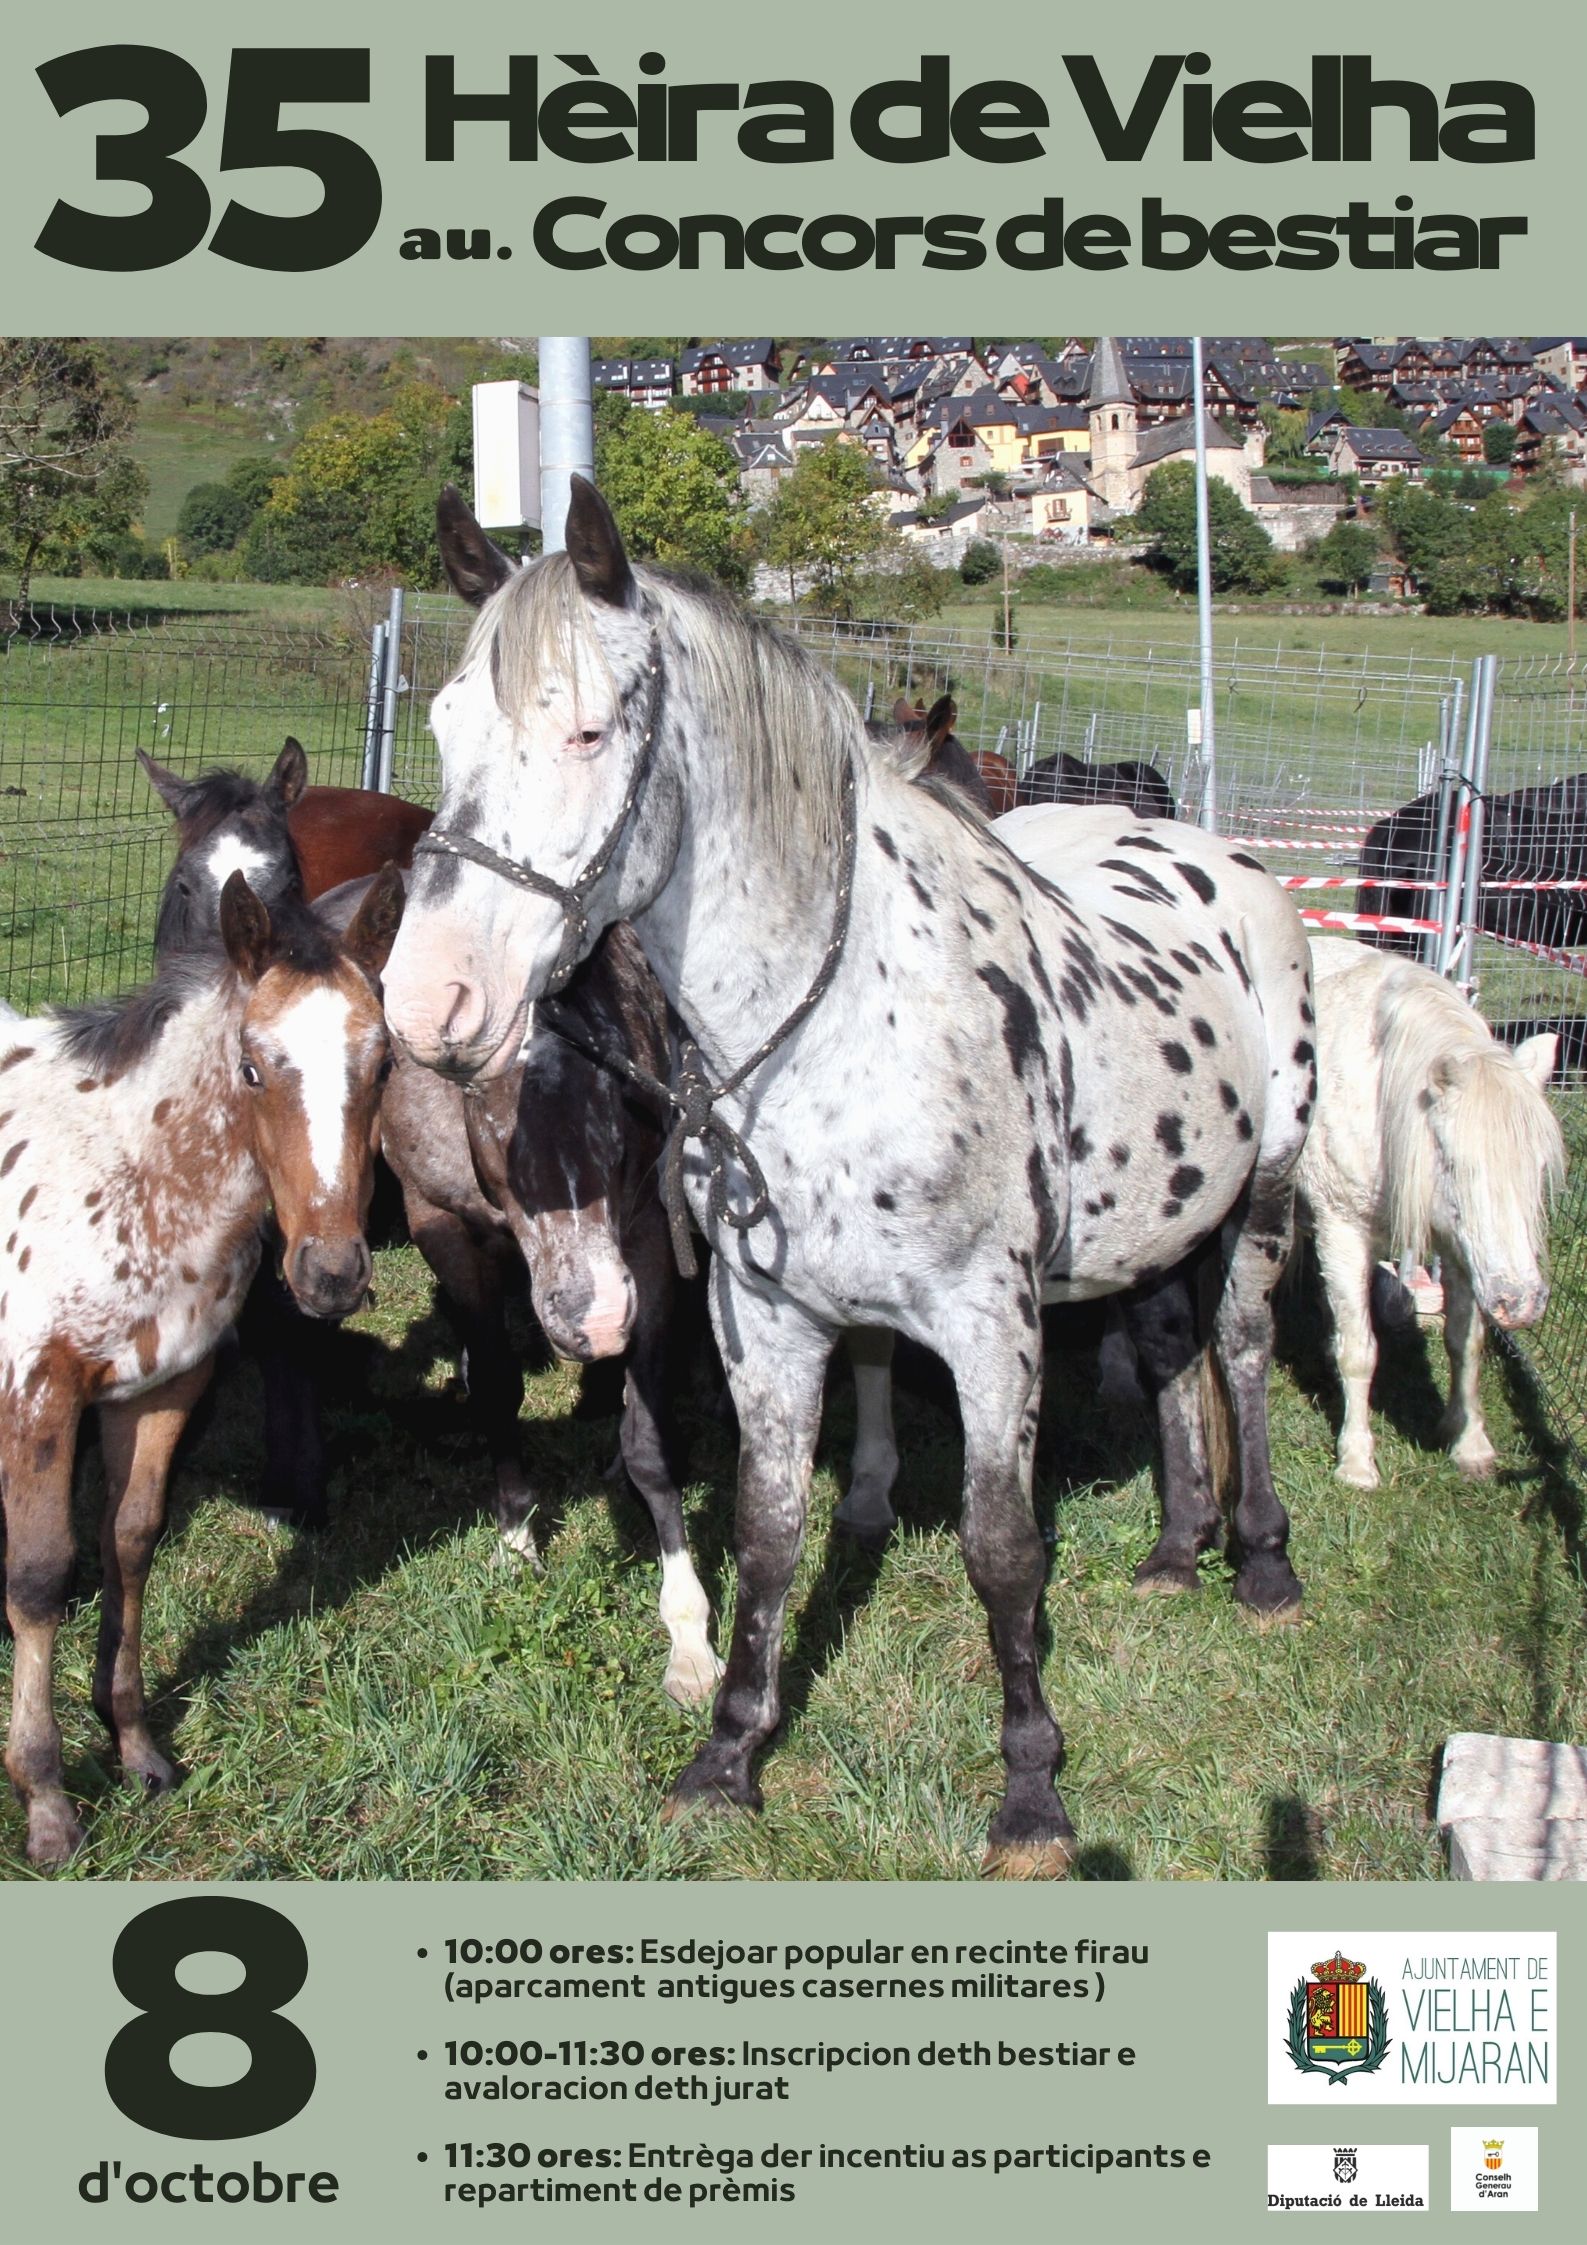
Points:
(110, 1035)
(1503, 1132)
(795, 727)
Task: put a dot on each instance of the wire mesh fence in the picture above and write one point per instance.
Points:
(1313, 750)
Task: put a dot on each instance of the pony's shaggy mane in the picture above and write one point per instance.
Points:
(1502, 1134)
(794, 727)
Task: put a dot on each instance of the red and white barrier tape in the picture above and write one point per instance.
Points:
(1391, 923)
(1574, 962)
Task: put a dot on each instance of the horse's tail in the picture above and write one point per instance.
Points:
(1217, 1409)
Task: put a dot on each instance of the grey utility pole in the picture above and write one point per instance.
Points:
(567, 429)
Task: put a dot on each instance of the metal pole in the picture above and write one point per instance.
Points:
(1570, 597)
(1209, 761)
(567, 429)
(372, 705)
(1459, 837)
(388, 696)
(1432, 903)
(1486, 670)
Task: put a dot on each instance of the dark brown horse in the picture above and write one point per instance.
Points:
(555, 1171)
(145, 1140)
(983, 776)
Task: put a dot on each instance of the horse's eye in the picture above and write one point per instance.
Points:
(251, 1076)
(592, 736)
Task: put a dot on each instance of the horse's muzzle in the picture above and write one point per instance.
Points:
(329, 1278)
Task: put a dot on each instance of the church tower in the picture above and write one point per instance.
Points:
(1115, 425)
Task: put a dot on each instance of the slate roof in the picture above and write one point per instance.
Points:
(1170, 437)
(1109, 384)
(756, 352)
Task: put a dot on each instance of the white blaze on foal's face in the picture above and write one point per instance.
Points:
(228, 854)
(312, 1054)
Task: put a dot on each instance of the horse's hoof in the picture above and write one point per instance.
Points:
(54, 1834)
(691, 1679)
(696, 1791)
(1359, 1477)
(1028, 1859)
(1157, 1579)
(153, 1772)
(1270, 1589)
(866, 1535)
(516, 1547)
(1479, 1466)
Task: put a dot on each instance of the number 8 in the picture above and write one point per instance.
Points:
(279, 2081)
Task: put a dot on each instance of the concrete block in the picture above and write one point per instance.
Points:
(1513, 1808)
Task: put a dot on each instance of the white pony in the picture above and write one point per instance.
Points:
(1429, 1136)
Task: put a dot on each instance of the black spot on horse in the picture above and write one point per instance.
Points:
(1228, 1094)
(885, 843)
(1244, 1125)
(1303, 1112)
(1155, 891)
(996, 873)
(1303, 1055)
(1206, 958)
(1079, 1143)
(1119, 1156)
(1244, 857)
(1172, 1207)
(1183, 959)
(1203, 1032)
(1186, 1181)
(981, 919)
(1142, 842)
(1177, 1058)
(1130, 935)
(1159, 973)
(1021, 1031)
(1075, 996)
(884, 1200)
(923, 893)
(1171, 1134)
(1232, 948)
(1203, 883)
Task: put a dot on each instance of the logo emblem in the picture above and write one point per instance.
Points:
(1344, 2163)
(1338, 2023)
(1493, 2153)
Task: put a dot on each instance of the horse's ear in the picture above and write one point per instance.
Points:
(174, 791)
(941, 718)
(374, 926)
(475, 566)
(595, 546)
(1536, 1057)
(906, 713)
(245, 928)
(290, 775)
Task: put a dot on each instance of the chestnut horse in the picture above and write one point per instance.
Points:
(143, 1141)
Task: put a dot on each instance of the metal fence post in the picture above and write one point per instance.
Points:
(1448, 727)
(1449, 942)
(388, 694)
(372, 706)
(1484, 673)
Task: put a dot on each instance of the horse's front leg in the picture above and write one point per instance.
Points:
(38, 1439)
(866, 1512)
(776, 1358)
(139, 1439)
(1344, 1256)
(1461, 1427)
(998, 1374)
(693, 1669)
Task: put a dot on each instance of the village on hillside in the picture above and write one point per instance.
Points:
(1058, 445)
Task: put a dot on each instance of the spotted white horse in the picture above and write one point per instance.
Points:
(975, 1088)
(1429, 1136)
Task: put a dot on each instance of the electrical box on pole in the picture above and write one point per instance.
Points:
(507, 455)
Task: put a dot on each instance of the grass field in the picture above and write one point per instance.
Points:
(388, 1700)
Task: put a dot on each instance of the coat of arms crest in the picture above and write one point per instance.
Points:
(1338, 2021)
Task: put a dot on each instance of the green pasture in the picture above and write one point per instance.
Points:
(389, 1700)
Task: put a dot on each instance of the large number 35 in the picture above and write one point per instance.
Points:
(172, 95)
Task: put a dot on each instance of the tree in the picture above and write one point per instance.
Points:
(993, 481)
(1241, 551)
(1286, 434)
(1498, 443)
(1346, 557)
(674, 490)
(981, 562)
(211, 519)
(359, 495)
(824, 522)
(68, 481)
(253, 479)
(907, 590)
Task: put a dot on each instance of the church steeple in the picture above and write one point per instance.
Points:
(1115, 423)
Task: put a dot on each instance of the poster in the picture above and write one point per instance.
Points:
(411, 1951)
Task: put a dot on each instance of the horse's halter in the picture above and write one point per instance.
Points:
(693, 1098)
(447, 841)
